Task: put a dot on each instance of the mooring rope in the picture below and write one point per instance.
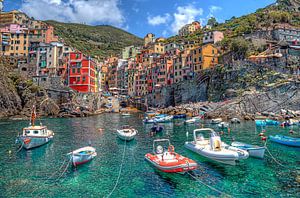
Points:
(212, 188)
(273, 157)
(20, 148)
(121, 166)
(64, 169)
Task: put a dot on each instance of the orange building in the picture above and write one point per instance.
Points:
(204, 57)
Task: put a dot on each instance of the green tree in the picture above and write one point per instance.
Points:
(212, 22)
(240, 48)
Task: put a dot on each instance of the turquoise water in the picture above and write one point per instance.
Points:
(37, 173)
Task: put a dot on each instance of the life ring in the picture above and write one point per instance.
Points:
(171, 149)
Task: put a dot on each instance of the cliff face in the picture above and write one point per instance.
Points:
(290, 5)
(10, 101)
(18, 94)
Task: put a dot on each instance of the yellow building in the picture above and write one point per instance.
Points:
(16, 44)
(13, 17)
(204, 57)
(159, 46)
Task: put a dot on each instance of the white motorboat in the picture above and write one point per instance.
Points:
(82, 155)
(253, 150)
(126, 114)
(223, 125)
(127, 133)
(235, 120)
(158, 119)
(216, 121)
(213, 148)
(34, 136)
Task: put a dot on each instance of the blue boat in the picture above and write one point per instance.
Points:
(272, 122)
(179, 116)
(286, 140)
(260, 123)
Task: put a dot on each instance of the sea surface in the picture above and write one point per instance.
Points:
(44, 171)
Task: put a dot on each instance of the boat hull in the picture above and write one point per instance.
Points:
(126, 137)
(285, 140)
(33, 142)
(254, 151)
(82, 155)
(79, 159)
(182, 165)
(229, 158)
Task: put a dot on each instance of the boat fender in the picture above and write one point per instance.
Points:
(27, 141)
(261, 134)
(171, 149)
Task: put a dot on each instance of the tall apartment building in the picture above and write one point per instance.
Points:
(81, 73)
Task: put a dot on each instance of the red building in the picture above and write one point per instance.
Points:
(81, 73)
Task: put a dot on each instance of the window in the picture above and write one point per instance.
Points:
(35, 132)
(213, 51)
(18, 35)
(73, 70)
(27, 132)
(83, 78)
(24, 48)
(78, 79)
(78, 70)
(12, 48)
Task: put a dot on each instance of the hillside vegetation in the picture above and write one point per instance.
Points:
(284, 11)
(97, 41)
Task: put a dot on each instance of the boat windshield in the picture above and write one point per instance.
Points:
(200, 137)
(214, 134)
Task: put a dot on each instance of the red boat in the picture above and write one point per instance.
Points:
(167, 160)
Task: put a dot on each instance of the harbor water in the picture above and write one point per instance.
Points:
(43, 171)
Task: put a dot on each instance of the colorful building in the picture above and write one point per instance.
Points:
(14, 17)
(14, 40)
(213, 37)
(149, 38)
(189, 28)
(81, 73)
(204, 57)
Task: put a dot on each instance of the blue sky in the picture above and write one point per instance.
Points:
(161, 17)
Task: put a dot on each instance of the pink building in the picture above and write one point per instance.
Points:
(213, 37)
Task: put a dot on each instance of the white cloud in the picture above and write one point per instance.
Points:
(213, 9)
(158, 20)
(80, 11)
(165, 33)
(185, 15)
